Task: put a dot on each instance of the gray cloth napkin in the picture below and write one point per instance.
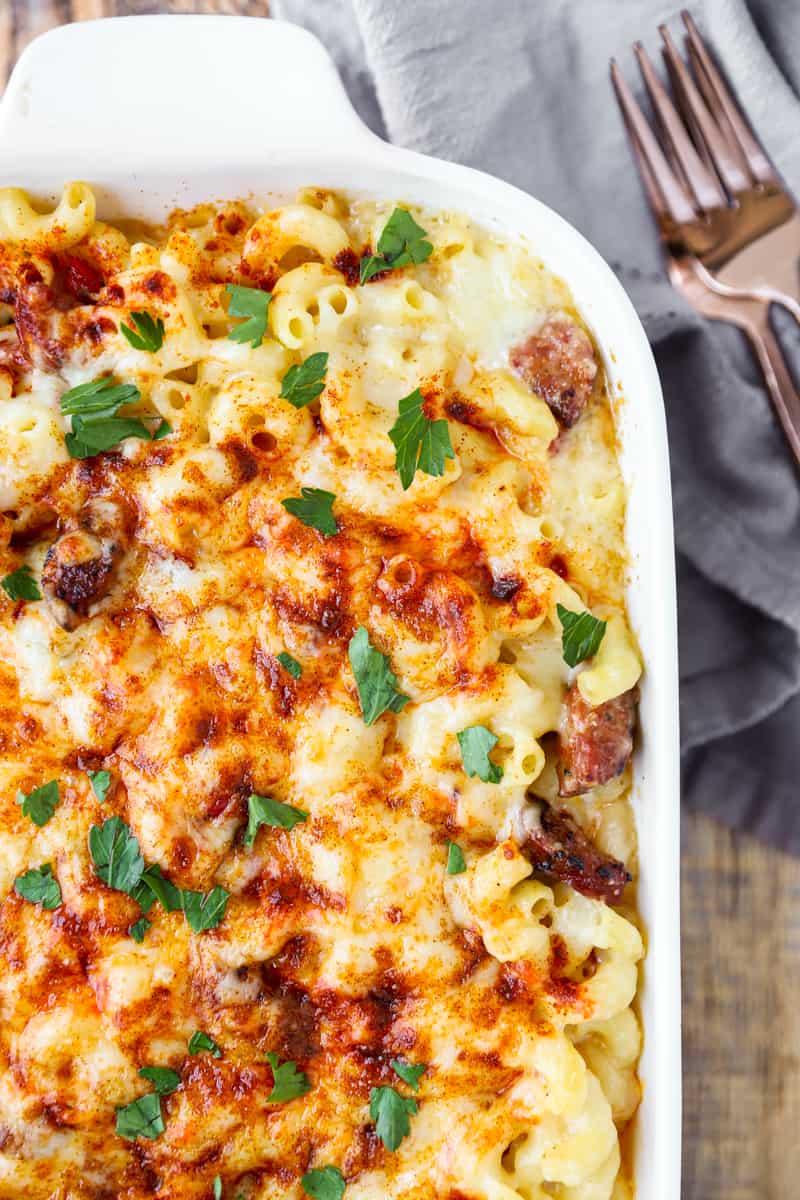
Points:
(521, 89)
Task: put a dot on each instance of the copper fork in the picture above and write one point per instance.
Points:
(708, 250)
(725, 203)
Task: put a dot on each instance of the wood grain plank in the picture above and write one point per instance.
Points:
(741, 980)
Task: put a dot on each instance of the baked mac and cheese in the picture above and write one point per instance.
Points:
(318, 697)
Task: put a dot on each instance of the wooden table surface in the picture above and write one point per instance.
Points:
(741, 900)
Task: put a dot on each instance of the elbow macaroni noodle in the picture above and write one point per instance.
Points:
(345, 944)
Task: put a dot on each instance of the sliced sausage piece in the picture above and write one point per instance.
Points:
(595, 743)
(558, 364)
(79, 566)
(561, 851)
(80, 278)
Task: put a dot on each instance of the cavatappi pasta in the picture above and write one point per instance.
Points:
(317, 699)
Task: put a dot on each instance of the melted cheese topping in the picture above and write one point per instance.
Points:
(345, 945)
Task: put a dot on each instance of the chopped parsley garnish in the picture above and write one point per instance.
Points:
(217, 1188)
(476, 741)
(95, 424)
(141, 1118)
(93, 437)
(21, 584)
(39, 886)
(408, 1072)
(290, 664)
(390, 1112)
(323, 1183)
(287, 1082)
(118, 862)
(375, 680)
(146, 332)
(101, 782)
(263, 810)
(168, 895)
(200, 1042)
(253, 304)
(455, 859)
(420, 444)
(98, 398)
(163, 1079)
(314, 507)
(41, 803)
(204, 912)
(116, 855)
(401, 244)
(303, 382)
(139, 928)
(581, 635)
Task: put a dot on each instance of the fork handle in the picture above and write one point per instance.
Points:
(782, 390)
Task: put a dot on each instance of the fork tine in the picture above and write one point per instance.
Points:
(722, 102)
(724, 155)
(665, 191)
(654, 196)
(689, 100)
(703, 184)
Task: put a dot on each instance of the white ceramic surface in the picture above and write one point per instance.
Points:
(162, 111)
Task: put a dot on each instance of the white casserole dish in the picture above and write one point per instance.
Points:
(156, 112)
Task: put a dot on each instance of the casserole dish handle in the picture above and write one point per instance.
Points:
(172, 87)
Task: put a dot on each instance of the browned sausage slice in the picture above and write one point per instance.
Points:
(558, 364)
(558, 849)
(79, 566)
(595, 743)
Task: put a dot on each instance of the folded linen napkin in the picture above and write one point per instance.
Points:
(521, 90)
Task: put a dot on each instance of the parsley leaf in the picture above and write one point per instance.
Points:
(303, 382)
(39, 886)
(375, 680)
(263, 810)
(21, 584)
(164, 429)
(139, 928)
(409, 1073)
(581, 635)
(290, 664)
(287, 1082)
(390, 1112)
(253, 304)
(163, 1079)
(323, 1183)
(101, 782)
(401, 244)
(162, 889)
(419, 442)
(141, 1118)
(217, 1188)
(102, 397)
(95, 424)
(455, 859)
(200, 1041)
(41, 803)
(92, 436)
(146, 334)
(314, 507)
(204, 912)
(116, 855)
(118, 862)
(476, 741)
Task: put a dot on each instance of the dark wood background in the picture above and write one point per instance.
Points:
(741, 900)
